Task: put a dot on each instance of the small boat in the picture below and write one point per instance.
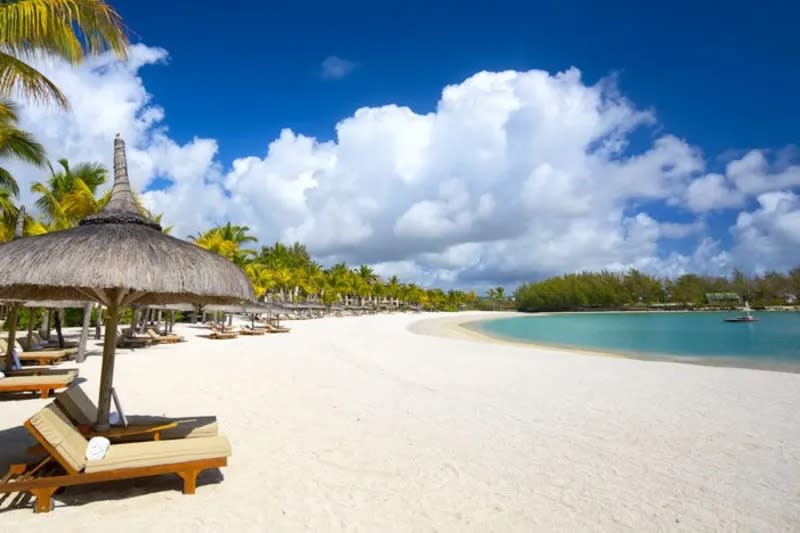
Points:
(746, 317)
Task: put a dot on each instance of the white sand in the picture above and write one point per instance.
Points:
(358, 424)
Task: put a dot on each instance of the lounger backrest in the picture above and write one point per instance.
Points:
(77, 405)
(62, 437)
(155, 336)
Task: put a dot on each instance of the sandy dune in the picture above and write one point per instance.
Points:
(358, 424)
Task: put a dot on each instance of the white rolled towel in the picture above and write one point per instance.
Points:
(2, 375)
(97, 448)
(113, 418)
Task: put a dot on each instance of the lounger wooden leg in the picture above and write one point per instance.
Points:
(189, 481)
(43, 503)
(44, 393)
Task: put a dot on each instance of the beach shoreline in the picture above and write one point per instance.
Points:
(465, 326)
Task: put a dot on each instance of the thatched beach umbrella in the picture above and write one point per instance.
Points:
(117, 257)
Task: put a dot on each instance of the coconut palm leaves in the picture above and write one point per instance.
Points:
(69, 29)
(70, 194)
(227, 241)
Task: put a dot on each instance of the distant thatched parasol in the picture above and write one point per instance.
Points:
(117, 257)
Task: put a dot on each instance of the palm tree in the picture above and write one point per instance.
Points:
(18, 144)
(70, 193)
(68, 29)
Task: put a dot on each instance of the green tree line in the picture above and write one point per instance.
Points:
(611, 290)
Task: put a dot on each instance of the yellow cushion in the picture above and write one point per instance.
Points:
(162, 452)
(61, 435)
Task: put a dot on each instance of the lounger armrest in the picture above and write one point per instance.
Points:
(117, 432)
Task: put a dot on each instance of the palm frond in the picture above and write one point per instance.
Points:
(18, 75)
(67, 28)
(7, 181)
(17, 143)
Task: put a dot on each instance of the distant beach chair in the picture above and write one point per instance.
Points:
(80, 409)
(247, 330)
(65, 463)
(44, 385)
(272, 328)
(39, 344)
(127, 339)
(222, 335)
(163, 339)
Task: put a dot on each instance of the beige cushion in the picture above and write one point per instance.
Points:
(162, 452)
(77, 405)
(58, 380)
(61, 435)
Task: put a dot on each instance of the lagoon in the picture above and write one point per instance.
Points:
(702, 337)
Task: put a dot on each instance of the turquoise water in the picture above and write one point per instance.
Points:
(774, 341)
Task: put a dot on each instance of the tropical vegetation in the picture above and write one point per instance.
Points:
(288, 274)
(611, 290)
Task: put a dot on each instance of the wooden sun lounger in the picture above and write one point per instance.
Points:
(272, 328)
(65, 464)
(44, 371)
(43, 385)
(220, 335)
(163, 339)
(39, 358)
(252, 331)
(127, 341)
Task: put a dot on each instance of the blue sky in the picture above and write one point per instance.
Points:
(493, 142)
(724, 78)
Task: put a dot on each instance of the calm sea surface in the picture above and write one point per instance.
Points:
(773, 342)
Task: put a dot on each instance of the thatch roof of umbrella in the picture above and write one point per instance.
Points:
(57, 304)
(172, 307)
(119, 249)
(117, 257)
(241, 308)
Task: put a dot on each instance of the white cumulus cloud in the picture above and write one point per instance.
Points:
(514, 175)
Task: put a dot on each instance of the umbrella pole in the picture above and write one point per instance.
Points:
(12, 331)
(107, 369)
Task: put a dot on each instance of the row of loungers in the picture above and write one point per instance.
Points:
(219, 334)
(148, 446)
(39, 380)
(130, 340)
